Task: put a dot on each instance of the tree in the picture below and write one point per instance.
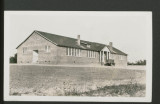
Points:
(139, 62)
(13, 59)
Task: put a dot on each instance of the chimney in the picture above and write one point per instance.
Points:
(78, 39)
(110, 45)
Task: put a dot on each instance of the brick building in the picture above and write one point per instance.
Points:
(45, 48)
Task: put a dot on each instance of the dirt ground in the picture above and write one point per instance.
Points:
(36, 80)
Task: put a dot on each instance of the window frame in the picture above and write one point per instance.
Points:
(88, 45)
(24, 50)
(47, 49)
(91, 54)
(73, 52)
(120, 57)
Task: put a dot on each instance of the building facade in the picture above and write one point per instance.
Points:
(45, 48)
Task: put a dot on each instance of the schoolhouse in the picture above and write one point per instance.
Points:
(46, 48)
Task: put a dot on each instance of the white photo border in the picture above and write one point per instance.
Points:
(147, 98)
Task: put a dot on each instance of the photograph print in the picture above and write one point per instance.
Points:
(77, 56)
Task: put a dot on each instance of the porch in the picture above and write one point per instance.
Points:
(106, 59)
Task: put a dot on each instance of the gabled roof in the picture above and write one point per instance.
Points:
(72, 42)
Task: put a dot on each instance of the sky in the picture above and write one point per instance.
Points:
(126, 30)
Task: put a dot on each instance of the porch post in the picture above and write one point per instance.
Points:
(103, 57)
(108, 56)
(100, 56)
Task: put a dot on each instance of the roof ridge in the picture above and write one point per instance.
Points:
(65, 41)
(68, 37)
(55, 34)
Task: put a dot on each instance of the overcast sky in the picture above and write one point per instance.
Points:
(126, 30)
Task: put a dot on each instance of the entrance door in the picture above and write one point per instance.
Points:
(35, 56)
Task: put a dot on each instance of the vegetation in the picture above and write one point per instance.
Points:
(114, 90)
(13, 59)
(139, 62)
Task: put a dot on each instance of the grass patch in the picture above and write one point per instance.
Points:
(16, 94)
(114, 90)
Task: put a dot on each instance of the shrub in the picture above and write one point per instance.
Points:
(13, 59)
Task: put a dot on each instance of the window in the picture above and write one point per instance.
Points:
(87, 53)
(47, 48)
(79, 52)
(73, 52)
(70, 52)
(67, 52)
(88, 45)
(94, 53)
(120, 57)
(91, 54)
(24, 50)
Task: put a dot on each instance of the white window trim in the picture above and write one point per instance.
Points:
(79, 53)
(91, 54)
(74, 52)
(68, 51)
(48, 49)
(71, 51)
(87, 53)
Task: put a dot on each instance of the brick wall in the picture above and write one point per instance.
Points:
(57, 55)
(36, 42)
(118, 61)
(83, 59)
